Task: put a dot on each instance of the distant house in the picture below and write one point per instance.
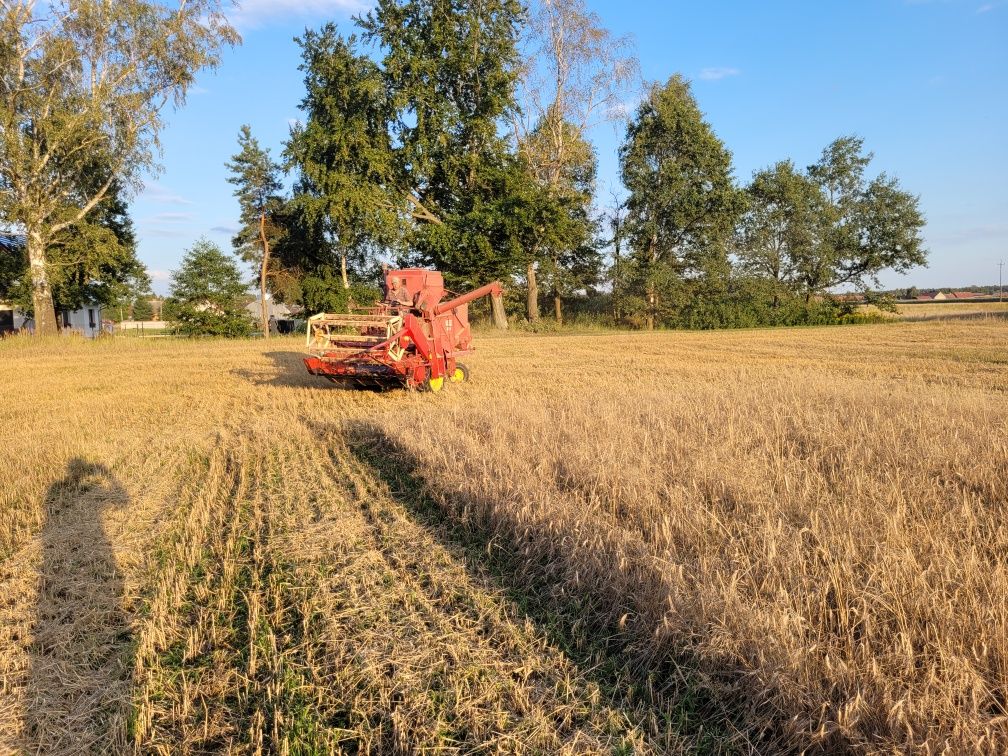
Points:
(283, 318)
(925, 298)
(86, 321)
(964, 295)
(851, 298)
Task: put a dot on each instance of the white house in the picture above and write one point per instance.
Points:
(11, 319)
(86, 321)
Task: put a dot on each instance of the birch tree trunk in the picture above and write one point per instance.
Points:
(42, 299)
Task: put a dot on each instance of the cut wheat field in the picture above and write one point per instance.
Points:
(754, 541)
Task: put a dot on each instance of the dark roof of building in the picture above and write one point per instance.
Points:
(11, 242)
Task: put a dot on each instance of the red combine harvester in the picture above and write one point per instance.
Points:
(411, 338)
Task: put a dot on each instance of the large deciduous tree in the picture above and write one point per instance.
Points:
(575, 78)
(449, 72)
(257, 186)
(84, 83)
(782, 225)
(683, 206)
(868, 225)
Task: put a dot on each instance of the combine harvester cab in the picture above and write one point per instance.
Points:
(411, 338)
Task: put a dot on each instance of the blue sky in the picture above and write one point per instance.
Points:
(925, 82)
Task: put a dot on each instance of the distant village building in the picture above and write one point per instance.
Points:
(283, 319)
(86, 321)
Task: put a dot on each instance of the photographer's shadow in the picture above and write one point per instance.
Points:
(78, 686)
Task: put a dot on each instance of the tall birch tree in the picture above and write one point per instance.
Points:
(85, 83)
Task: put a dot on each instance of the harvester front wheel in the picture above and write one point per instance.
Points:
(433, 385)
(461, 374)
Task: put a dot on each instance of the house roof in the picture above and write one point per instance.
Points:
(11, 242)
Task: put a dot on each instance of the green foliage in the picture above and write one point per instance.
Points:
(564, 243)
(683, 205)
(449, 71)
(405, 154)
(83, 86)
(705, 255)
(142, 309)
(92, 262)
(13, 265)
(348, 179)
(256, 178)
(324, 292)
(781, 226)
(867, 226)
(208, 294)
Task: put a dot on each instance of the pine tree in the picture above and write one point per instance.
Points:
(257, 186)
(142, 309)
(406, 154)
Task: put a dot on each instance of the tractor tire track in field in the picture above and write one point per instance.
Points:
(300, 606)
(461, 661)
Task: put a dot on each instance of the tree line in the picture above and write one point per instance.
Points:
(456, 135)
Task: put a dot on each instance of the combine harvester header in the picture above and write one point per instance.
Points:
(411, 338)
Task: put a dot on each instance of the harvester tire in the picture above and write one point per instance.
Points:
(461, 374)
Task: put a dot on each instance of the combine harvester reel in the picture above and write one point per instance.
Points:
(411, 338)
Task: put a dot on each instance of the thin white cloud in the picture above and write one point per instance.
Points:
(159, 275)
(987, 7)
(172, 217)
(162, 233)
(155, 192)
(225, 230)
(254, 13)
(717, 73)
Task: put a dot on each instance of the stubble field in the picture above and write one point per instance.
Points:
(614, 543)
